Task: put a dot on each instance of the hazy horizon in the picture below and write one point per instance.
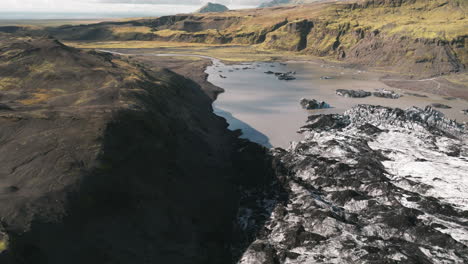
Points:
(91, 9)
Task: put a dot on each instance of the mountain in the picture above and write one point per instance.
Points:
(382, 34)
(212, 7)
(275, 3)
(105, 161)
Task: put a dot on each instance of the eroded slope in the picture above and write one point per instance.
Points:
(410, 36)
(104, 161)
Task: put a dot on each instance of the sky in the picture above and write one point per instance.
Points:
(10, 9)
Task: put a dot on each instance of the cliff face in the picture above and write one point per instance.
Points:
(292, 36)
(104, 161)
(414, 37)
(399, 53)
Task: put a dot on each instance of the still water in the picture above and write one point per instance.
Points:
(267, 110)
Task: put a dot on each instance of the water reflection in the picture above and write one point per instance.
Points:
(271, 107)
(248, 132)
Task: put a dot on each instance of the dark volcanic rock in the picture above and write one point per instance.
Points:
(369, 129)
(5, 107)
(287, 76)
(465, 111)
(416, 95)
(386, 94)
(313, 104)
(345, 201)
(325, 122)
(353, 93)
(442, 106)
(450, 98)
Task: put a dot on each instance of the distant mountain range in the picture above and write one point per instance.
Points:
(381, 33)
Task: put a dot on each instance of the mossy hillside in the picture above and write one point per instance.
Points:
(347, 23)
(129, 29)
(3, 246)
(54, 68)
(165, 33)
(147, 33)
(423, 32)
(324, 41)
(7, 83)
(245, 34)
(341, 27)
(282, 40)
(291, 36)
(444, 19)
(3, 242)
(248, 35)
(428, 19)
(131, 32)
(411, 34)
(209, 36)
(253, 32)
(88, 156)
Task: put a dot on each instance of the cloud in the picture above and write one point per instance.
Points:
(188, 2)
(153, 2)
(90, 4)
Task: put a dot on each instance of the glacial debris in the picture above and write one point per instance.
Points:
(386, 94)
(443, 106)
(311, 104)
(353, 93)
(363, 187)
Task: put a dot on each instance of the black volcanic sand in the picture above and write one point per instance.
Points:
(193, 69)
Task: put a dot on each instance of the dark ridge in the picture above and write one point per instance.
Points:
(10, 29)
(105, 161)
